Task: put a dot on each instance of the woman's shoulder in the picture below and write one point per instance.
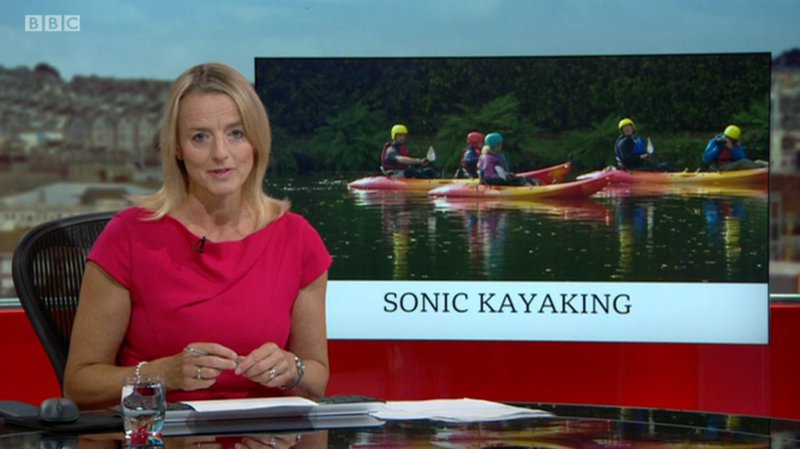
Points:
(134, 214)
(136, 219)
(289, 224)
(292, 220)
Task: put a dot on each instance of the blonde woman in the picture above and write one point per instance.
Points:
(209, 282)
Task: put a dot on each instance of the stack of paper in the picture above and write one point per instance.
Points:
(450, 410)
(455, 410)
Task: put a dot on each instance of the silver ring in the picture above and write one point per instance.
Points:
(272, 373)
(199, 375)
(273, 442)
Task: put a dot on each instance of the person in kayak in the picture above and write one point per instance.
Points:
(493, 165)
(471, 155)
(396, 161)
(631, 150)
(724, 152)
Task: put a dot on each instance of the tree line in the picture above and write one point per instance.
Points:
(335, 113)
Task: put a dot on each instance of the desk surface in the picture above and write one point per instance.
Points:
(572, 427)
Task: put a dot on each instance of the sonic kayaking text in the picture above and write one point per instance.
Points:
(521, 302)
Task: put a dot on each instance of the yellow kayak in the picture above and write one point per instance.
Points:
(734, 177)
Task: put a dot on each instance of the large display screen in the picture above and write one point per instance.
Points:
(677, 254)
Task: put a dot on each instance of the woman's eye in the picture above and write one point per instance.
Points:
(237, 133)
(199, 137)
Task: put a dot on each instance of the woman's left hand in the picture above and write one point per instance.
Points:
(269, 365)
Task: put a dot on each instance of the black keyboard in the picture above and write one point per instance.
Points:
(346, 399)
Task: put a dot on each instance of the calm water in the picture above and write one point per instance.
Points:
(622, 233)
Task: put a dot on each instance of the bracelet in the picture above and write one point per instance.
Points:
(138, 370)
(301, 370)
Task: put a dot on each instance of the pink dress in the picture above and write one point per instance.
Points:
(238, 293)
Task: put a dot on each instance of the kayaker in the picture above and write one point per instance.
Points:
(395, 159)
(493, 165)
(724, 152)
(631, 150)
(471, 154)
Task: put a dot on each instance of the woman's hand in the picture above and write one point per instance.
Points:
(269, 365)
(196, 367)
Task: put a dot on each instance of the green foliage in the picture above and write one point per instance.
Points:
(334, 114)
(682, 151)
(590, 149)
(351, 139)
(755, 129)
(286, 152)
(498, 115)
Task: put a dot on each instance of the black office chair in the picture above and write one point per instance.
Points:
(48, 267)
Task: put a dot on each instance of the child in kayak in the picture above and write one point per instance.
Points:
(471, 154)
(725, 153)
(632, 152)
(493, 165)
(396, 160)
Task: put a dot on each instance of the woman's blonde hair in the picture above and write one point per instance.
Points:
(222, 79)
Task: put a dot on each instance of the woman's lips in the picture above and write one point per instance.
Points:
(221, 173)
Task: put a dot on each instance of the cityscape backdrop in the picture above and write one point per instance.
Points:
(79, 110)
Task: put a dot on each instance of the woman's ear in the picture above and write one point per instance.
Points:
(178, 153)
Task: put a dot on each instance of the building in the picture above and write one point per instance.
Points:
(22, 211)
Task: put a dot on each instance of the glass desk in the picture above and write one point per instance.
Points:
(572, 427)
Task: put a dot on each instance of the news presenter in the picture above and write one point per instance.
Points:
(208, 282)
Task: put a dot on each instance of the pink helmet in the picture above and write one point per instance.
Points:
(475, 138)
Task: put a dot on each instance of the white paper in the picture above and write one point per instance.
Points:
(456, 410)
(232, 405)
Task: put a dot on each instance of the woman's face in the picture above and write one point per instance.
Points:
(211, 141)
(627, 130)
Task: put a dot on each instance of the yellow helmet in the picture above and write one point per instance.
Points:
(398, 129)
(624, 122)
(733, 132)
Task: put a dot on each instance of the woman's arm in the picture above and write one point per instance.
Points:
(91, 378)
(309, 338)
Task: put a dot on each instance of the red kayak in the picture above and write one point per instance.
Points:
(548, 175)
(577, 189)
(389, 183)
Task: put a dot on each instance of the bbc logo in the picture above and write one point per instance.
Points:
(53, 23)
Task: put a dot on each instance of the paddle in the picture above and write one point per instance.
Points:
(431, 155)
(650, 148)
(500, 172)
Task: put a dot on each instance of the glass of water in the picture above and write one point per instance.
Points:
(143, 407)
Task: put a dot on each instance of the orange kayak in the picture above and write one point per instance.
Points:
(576, 189)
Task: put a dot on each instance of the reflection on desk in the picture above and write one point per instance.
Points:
(285, 440)
(572, 427)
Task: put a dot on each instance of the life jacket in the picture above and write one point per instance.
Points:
(487, 164)
(402, 150)
(725, 156)
(631, 160)
(639, 147)
(470, 157)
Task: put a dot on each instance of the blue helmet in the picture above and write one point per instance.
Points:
(493, 140)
